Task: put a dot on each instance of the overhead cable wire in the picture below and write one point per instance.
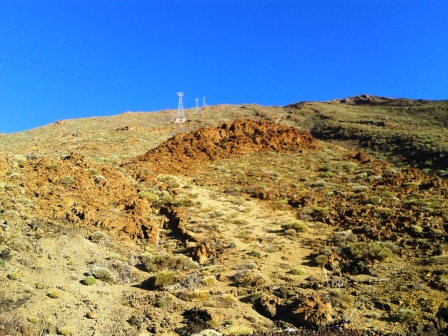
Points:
(57, 76)
(58, 69)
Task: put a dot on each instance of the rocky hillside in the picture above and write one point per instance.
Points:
(316, 215)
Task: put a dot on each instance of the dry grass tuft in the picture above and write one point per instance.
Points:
(65, 330)
(196, 295)
(238, 330)
(210, 281)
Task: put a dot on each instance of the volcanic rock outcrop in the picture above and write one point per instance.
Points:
(366, 99)
(229, 139)
(312, 311)
(80, 193)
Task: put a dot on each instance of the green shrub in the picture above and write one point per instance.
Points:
(98, 236)
(89, 280)
(249, 278)
(443, 278)
(160, 304)
(146, 257)
(360, 188)
(374, 200)
(164, 198)
(344, 237)
(244, 266)
(210, 281)
(229, 298)
(417, 228)
(103, 274)
(237, 330)
(146, 172)
(321, 260)
(54, 294)
(326, 251)
(150, 196)
(33, 320)
(335, 292)
(383, 209)
(184, 202)
(13, 276)
(195, 295)
(19, 158)
(115, 256)
(428, 202)
(370, 251)
(406, 314)
(93, 171)
(52, 166)
(298, 271)
(297, 226)
(439, 260)
(159, 280)
(413, 185)
(156, 262)
(358, 250)
(216, 214)
(389, 245)
(6, 254)
(319, 183)
(170, 181)
(155, 197)
(214, 324)
(65, 330)
(68, 179)
(339, 298)
(243, 234)
(318, 211)
(384, 253)
(255, 296)
(233, 190)
(255, 254)
(388, 194)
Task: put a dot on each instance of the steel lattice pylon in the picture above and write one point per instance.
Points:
(180, 110)
(196, 111)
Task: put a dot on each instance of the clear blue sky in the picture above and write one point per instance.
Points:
(231, 51)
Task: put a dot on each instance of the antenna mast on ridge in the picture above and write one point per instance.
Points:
(203, 102)
(196, 111)
(180, 110)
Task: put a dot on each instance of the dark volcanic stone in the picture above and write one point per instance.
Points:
(195, 321)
